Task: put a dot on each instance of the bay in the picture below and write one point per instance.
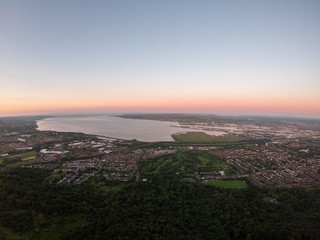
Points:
(116, 127)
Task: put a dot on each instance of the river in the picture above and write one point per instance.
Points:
(116, 127)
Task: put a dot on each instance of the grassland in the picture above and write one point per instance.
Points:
(201, 137)
(232, 184)
(18, 159)
(182, 163)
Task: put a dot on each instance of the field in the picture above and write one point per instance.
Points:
(181, 163)
(18, 159)
(229, 183)
(201, 137)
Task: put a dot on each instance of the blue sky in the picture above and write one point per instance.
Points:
(117, 55)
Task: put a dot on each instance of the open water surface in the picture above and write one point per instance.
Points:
(116, 127)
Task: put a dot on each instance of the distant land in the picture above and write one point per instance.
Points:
(260, 180)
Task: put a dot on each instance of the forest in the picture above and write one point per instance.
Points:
(163, 207)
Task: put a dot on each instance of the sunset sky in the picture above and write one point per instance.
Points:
(219, 57)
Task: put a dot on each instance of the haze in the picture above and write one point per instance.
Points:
(224, 57)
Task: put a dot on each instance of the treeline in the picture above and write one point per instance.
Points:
(161, 208)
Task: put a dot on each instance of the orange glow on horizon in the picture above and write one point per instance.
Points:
(205, 104)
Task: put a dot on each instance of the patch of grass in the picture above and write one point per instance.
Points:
(9, 160)
(19, 164)
(232, 184)
(182, 163)
(28, 155)
(201, 137)
(111, 189)
(192, 137)
(28, 158)
(18, 159)
(55, 177)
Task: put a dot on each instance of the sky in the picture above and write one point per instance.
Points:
(218, 57)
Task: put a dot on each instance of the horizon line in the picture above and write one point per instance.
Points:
(163, 113)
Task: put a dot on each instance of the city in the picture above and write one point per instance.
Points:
(284, 154)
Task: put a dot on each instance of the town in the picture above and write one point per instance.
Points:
(273, 153)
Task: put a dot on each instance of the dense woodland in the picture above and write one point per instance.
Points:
(32, 207)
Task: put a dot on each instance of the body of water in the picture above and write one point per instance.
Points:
(116, 127)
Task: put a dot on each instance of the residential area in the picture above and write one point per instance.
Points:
(289, 156)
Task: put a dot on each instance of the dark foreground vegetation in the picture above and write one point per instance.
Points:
(32, 207)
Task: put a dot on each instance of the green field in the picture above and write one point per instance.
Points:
(201, 137)
(229, 183)
(20, 159)
(28, 154)
(182, 162)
